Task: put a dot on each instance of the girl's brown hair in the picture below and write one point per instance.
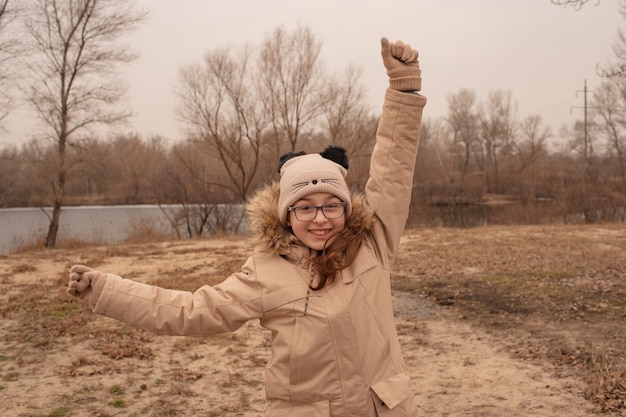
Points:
(340, 254)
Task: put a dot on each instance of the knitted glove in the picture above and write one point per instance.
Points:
(86, 283)
(402, 66)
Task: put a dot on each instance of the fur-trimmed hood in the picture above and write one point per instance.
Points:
(272, 236)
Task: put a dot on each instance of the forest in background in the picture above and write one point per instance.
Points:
(244, 107)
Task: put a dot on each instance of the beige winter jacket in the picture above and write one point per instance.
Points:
(343, 357)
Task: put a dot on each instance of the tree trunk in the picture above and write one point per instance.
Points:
(59, 192)
(54, 225)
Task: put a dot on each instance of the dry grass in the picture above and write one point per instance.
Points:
(554, 295)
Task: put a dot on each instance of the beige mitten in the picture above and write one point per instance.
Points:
(86, 283)
(402, 66)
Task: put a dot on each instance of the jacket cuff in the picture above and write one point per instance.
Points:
(400, 97)
(104, 298)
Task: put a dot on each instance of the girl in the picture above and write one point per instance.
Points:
(318, 277)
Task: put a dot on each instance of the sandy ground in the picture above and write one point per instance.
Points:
(57, 359)
(459, 370)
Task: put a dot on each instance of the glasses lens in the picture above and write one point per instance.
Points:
(332, 211)
(305, 213)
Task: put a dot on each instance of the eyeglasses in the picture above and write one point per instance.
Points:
(308, 213)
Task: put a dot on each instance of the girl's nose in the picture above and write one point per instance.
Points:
(319, 217)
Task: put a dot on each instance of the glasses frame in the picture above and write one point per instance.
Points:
(294, 210)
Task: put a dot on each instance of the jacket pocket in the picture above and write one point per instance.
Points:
(318, 409)
(396, 397)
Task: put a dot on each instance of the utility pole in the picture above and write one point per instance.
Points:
(589, 176)
(585, 123)
(587, 147)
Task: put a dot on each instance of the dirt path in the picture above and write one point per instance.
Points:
(459, 370)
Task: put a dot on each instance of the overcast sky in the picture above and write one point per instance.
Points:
(541, 52)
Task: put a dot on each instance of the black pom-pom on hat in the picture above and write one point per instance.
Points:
(337, 154)
(286, 157)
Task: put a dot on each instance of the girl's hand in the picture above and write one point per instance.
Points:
(402, 66)
(86, 283)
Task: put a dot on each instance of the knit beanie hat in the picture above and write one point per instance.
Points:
(303, 174)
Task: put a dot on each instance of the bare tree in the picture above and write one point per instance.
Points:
(134, 161)
(237, 101)
(342, 105)
(583, 142)
(531, 146)
(462, 120)
(617, 67)
(90, 179)
(610, 107)
(497, 126)
(526, 168)
(13, 192)
(9, 50)
(434, 162)
(222, 113)
(182, 179)
(38, 159)
(577, 4)
(74, 55)
(347, 121)
(290, 80)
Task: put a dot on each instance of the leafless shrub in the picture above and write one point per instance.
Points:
(144, 230)
(606, 383)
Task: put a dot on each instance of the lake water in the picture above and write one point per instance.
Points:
(101, 224)
(20, 227)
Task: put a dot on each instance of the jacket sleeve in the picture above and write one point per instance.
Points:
(211, 309)
(388, 189)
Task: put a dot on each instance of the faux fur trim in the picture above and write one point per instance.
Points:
(267, 232)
